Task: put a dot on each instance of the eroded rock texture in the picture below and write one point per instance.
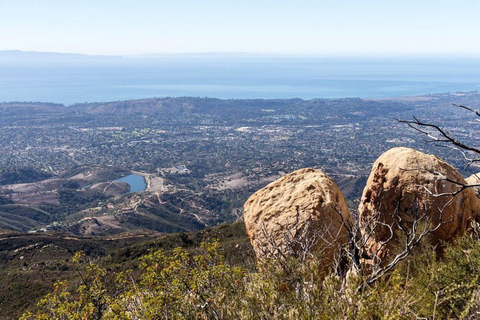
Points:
(474, 179)
(406, 186)
(302, 210)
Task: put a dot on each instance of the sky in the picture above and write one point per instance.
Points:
(301, 27)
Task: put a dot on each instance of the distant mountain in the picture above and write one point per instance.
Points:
(143, 106)
(212, 55)
(18, 54)
(22, 108)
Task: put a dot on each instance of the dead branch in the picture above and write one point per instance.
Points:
(413, 235)
(443, 136)
(467, 108)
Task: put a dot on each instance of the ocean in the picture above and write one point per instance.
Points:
(70, 81)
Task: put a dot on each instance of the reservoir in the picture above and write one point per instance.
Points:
(135, 181)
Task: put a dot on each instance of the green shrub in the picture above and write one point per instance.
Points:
(200, 284)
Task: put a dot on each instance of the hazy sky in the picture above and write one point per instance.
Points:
(322, 27)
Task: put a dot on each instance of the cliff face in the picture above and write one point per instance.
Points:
(407, 191)
(301, 211)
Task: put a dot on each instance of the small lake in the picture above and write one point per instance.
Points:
(135, 181)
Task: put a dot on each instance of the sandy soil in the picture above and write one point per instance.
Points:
(44, 185)
(237, 181)
(156, 184)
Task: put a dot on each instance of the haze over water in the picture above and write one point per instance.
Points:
(72, 81)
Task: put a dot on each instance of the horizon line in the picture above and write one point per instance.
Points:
(250, 54)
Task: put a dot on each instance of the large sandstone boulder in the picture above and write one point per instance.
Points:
(405, 186)
(474, 179)
(304, 209)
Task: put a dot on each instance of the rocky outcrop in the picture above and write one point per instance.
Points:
(474, 179)
(405, 186)
(304, 209)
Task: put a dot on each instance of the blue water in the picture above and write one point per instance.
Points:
(73, 81)
(136, 182)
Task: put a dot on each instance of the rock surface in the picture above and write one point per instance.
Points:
(474, 179)
(306, 207)
(404, 185)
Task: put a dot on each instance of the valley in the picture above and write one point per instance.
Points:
(201, 158)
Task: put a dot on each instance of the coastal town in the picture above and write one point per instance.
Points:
(201, 158)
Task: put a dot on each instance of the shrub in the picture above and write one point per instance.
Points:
(199, 284)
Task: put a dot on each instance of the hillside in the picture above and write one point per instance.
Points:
(201, 158)
(405, 254)
(65, 216)
(30, 263)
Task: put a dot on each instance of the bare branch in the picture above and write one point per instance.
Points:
(467, 108)
(417, 125)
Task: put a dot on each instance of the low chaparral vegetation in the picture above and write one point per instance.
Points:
(213, 281)
(199, 283)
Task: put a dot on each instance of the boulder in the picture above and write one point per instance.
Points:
(302, 211)
(474, 179)
(405, 186)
